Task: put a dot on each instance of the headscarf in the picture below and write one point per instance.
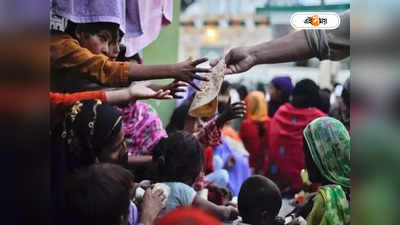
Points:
(283, 82)
(190, 216)
(329, 144)
(256, 105)
(143, 128)
(88, 127)
(305, 94)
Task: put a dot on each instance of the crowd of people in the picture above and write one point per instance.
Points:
(113, 163)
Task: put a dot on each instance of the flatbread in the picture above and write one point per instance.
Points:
(205, 102)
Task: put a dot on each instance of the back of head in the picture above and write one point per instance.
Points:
(98, 195)
(328, 143)
(283, 83)
(178, 118)
(305, 94)
(179, 158)
(186, 216)
(259, 199)
(89, 126)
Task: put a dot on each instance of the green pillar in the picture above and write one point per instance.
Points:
(162, 51)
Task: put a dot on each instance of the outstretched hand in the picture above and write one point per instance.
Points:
(175, 87)
(141, 90)
(232, 111)
(237, 60)
(187, 71)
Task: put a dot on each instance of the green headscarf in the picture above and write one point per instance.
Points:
(329, 145)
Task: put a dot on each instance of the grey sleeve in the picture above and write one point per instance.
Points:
(331, 44)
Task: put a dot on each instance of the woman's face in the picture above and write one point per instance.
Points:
(117, 151)
(274, 93)
(193, 124)
(96, 43)
(313, 172)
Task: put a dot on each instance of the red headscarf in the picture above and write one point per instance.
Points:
(188, 216)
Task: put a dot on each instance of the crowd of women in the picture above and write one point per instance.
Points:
(113, 163)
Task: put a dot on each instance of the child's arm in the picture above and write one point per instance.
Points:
(210, 134)
(66, 53)
(112, 97)
(135, 91)
(224, 213)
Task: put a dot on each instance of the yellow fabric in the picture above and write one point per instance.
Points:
(317, 212)
(68, 58)
(256, 107)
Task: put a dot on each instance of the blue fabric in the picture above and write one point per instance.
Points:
(219, 177)
(181, 195)
(241, 169)
(284, 82)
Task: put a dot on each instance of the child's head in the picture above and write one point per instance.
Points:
(94, 132)
(259, 201)
(97, 37)
(179, 158)
(99, 194)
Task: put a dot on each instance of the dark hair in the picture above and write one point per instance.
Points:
(122, 58)
(84, 143)
(241, 89)
(313, 171)
(258, 194)
(99, 194)
(305, 94)
(178, 118)
(325, 97)
(346, 93)
(94, 28)
(179, 158)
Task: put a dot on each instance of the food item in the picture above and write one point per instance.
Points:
(205, 102)
(166, 190)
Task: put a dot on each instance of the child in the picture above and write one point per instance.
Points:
(82, 51)
(180, 161)
(259, 201)
(100, 194)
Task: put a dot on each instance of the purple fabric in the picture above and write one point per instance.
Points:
(239, 172)
(133, 215)
(154, 14)
(123, 12)
(143, 128)
(283, 82)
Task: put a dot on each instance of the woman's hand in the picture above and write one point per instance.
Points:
(151, 206)
(187, 71)
(232, 111)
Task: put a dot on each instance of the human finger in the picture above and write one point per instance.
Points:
(199, 61)
(198, 77)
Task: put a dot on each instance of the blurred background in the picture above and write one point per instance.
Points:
(209, 28)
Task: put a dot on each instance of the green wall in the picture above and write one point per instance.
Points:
(163, 51)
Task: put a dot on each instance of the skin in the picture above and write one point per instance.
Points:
(291, 47)
(274, 93)
(115, 150)
(185, 71)
(222, 212)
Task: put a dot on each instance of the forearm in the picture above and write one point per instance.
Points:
(138, 72)
(291, 47)
(120, 96)
(140, 160)
(156, 86)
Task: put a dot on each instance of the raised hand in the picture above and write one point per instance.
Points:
(232, 111)
(175, 87)
(187, 71)
(151, 206)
